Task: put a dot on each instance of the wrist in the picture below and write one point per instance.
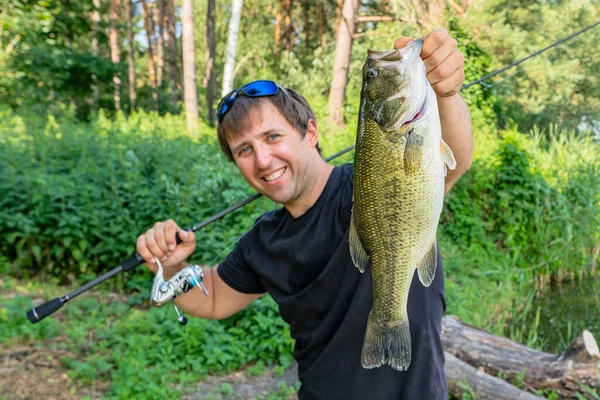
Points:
(451, 99)
(175, 270)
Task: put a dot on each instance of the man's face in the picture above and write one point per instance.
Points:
(274, 158)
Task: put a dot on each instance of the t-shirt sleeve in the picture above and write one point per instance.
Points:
(237, 273)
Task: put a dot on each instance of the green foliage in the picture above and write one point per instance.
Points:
(505, 203)
(143, 354)
(558, 86)
(522, 216)
(78, 195)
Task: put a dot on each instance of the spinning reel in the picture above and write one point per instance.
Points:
(181, 283)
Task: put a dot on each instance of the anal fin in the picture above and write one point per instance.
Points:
(428, 265)
(357, 251)
(447, 157)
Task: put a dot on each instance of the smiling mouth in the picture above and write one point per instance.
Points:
(275, 175)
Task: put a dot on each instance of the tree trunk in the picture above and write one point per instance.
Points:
(341, 63)
(320, 21)
(189, 66)
(160, 58)
(94, 48)
(172, 48)
(148, 27)
(306, 10)
(115, 47)
(565, 373)
(288, 4)
(210, 80)
(234, 27)
(130, 55)
(278, 18)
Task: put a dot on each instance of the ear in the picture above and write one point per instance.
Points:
(312, 133)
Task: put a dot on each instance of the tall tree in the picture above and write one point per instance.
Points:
(115, 47)
(189, 66)
(287, 6)
(160, 59)
(320, 21)
(130, 54)
(341, 63)
(172, 49)
(210, 81)
(149, 28)
(94, 47)
(234, 27)
(306, 15)
(278, 18)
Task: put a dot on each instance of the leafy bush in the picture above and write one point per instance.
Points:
(505, 203)
(75, 196)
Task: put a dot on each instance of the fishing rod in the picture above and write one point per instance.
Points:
(182, 282)
(192, 276)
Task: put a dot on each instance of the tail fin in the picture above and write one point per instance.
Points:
(386, 344)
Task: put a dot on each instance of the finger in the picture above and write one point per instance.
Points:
(402, 41)
(152, 245)
(170, 230)
(159, 237)
(187, 236)
(447, 68)
(440, 54)
(433, 41)
(450, 86)
(142, 249)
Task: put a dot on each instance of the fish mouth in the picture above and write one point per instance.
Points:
(420, 113)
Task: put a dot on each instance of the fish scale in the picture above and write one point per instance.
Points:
(398, 194)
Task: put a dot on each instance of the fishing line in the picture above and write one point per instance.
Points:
(344, 151)
(42, 311)
(480, 80)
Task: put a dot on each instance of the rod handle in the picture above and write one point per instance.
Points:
(42, 311)
(178, 238)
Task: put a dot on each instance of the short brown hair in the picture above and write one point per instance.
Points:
(294, 108)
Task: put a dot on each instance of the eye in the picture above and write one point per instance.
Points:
(274, 136)
(372, 72)
(244, 150)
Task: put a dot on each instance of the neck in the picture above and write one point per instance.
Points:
(313, 190)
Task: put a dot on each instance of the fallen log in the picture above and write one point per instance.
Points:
(566, 373)
(463, 378)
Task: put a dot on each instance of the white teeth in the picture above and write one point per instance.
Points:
(275, 175)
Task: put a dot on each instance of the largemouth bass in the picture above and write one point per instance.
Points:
(399, 168)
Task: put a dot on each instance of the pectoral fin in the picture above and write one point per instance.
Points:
(357, 251)
(447, 157)
(427, 266)
(413, 153)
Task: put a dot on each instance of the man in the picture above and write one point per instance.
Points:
(299, 254)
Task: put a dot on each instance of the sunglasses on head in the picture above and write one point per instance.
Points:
(253, 89)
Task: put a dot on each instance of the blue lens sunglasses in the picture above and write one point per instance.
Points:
(253, 89)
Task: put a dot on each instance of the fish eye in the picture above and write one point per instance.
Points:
(372, 72)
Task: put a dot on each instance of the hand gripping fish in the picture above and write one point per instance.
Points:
(399, 168)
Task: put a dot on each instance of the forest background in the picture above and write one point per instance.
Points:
(99, 139)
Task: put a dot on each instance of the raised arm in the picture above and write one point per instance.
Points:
(445, 72)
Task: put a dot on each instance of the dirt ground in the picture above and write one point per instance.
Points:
(29, 372)
(36, 372)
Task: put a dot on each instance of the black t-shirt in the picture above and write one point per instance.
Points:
(305, 265)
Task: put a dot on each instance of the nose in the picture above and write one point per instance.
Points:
(263, 157)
